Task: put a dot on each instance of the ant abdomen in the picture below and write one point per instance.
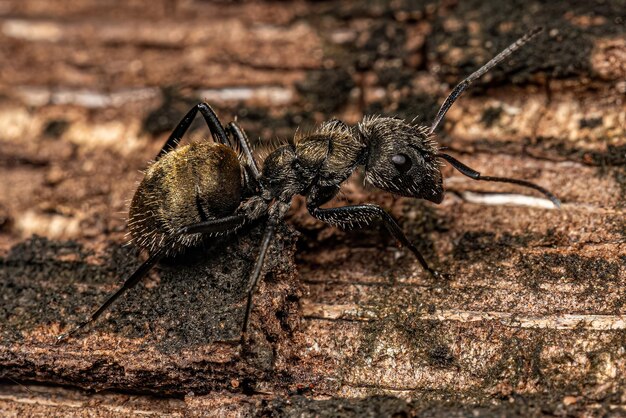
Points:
(191, 184)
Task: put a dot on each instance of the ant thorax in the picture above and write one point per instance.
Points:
(323, 158)
(398, 157)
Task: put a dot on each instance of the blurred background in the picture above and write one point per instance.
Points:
(90, 90)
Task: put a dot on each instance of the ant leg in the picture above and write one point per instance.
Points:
(211, 119)
(139, 274)
(237, 132)
(256, 274)
(228, 224)
(360, 216)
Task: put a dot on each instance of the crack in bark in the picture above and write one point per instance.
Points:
(356, 313)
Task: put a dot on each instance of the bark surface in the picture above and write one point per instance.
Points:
(530, 320)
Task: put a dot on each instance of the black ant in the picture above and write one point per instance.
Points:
(208, 189)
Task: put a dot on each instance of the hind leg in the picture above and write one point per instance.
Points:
(211, 119)
(225, 225)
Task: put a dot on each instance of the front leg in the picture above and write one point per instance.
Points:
(359, 216)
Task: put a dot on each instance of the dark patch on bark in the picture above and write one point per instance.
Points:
(198, 300)
(326, 91)
(175, 104)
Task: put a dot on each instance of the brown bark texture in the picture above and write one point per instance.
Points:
(530, 319)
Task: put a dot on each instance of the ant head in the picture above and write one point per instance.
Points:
(402, 158)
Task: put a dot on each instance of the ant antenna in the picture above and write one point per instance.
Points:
(470, 172)
(460, 88)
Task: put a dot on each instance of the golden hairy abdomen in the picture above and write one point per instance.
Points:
(194, 183)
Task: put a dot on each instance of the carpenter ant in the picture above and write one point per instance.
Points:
(209, 189)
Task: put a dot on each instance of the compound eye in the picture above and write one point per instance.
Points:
(402, 162)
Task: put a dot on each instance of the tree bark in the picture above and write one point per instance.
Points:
(529, 319)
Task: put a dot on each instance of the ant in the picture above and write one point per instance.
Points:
(214, 188)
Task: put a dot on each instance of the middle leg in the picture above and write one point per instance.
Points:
(256, 275)
(276, 214)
